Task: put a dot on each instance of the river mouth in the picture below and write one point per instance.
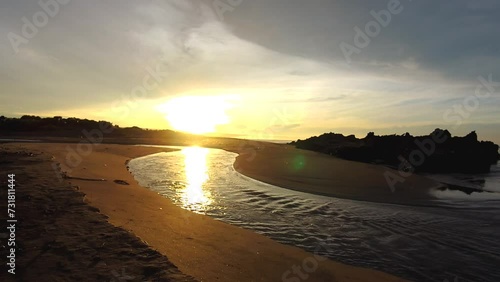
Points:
(417, 243)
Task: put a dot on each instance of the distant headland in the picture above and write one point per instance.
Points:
(437, 152)
(60, 128)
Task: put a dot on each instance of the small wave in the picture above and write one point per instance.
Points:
(391, 238)
(459, 195)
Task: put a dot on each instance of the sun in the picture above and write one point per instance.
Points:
(196, 114)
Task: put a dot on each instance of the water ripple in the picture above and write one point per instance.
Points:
(417, 243)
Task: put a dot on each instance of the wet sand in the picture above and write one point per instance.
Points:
(199, 246)
(311, 172)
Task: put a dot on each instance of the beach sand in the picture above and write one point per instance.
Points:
(311, 172)
(61, 238)
(199, 246)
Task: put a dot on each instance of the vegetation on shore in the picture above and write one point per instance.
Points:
(57, 126)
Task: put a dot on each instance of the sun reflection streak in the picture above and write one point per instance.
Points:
(194, 197)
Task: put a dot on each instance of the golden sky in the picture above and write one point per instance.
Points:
(264, 70)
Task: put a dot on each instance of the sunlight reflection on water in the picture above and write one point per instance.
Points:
(392, 238)
(194, 196)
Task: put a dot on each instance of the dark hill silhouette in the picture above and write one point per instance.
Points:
(64, 126)
(35, 127)
(454, 154)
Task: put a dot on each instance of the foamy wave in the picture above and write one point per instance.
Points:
(459, 195)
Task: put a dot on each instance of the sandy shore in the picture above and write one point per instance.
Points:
(312, 172)
(199, 246)
(61, 238)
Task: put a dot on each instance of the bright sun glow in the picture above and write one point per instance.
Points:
(196, 114)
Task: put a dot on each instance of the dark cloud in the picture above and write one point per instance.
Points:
(455, 38)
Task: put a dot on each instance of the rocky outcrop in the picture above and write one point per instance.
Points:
(437, 152)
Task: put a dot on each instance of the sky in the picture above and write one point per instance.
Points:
(259, 69)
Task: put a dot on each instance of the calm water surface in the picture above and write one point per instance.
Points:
(459, 240)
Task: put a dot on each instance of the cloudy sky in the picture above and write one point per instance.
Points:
(264, 69)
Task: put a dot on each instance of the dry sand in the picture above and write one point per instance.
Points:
(200, 246)
(61, 238)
